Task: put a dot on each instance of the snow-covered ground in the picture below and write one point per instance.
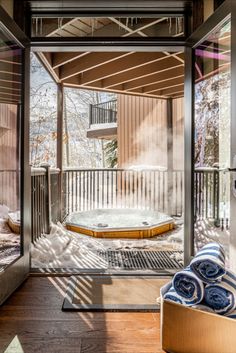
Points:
(62, 248)
(9, 244)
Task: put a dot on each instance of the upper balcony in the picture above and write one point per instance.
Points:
(103, 120)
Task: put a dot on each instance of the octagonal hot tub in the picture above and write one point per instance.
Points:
(119, 223)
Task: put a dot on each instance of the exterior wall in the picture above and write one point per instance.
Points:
(142, 131)
(9, 187)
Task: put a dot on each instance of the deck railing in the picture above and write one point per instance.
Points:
(103, 113)
(87, 189)
(212, 195)
(125, 188)
(45, 199)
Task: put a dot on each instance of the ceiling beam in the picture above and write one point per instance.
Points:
(90, 62)
(125, 66)
(152, 79)
(59, 59)
(112, 90)
(9, 94)
(9, 85)
(10, 68)
(152, 23)
(169, 91)
(10, 78)
(133, 74)
(173, 82)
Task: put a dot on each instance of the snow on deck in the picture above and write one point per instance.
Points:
(62, 248)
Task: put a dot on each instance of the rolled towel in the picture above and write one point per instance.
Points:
(172, 296)
(203, 307)
(209, 263)
(221, 297)
(231, 315)
(188, 286)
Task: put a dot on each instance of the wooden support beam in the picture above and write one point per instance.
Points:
(59, 59)
(159, 77)
(133, 73)
(114, 91)
(46, 60)
(174, 82)
(124, 65)
(9, 85)
(10, 77)
(91, 62)
(10, 68)
(7, 93)
(170, 91)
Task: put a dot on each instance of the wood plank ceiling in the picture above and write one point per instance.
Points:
(136, 73)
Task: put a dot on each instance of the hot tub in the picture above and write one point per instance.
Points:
(119, 223)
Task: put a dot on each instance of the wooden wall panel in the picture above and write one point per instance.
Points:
(9, 183)
(178, 133)
(142, 131)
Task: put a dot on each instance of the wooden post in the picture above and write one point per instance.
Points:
(60, 109)
(170, 153)
(90, 114)
(48, 197)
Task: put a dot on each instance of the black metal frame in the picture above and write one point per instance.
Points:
(220, 15)
(88, 8)
(13, 275)
(103, 8)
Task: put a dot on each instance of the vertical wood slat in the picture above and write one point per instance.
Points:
(126, 188)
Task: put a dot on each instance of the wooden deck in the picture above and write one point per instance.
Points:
(32, 321)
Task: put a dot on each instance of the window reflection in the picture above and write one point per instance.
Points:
(107, 27)
(212, 138)
(10, 102)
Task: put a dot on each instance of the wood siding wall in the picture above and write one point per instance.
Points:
(9, 172)
(142, 131)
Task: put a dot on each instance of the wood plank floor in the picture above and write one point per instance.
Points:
(31, 321)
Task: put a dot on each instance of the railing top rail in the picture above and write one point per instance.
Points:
(103, 103)
(206, 169)
(9, 170)
(116, 170)
(42, 171)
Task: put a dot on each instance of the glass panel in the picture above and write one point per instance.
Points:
(10, 107)
(212, 138)
(43, 115)
(107, 27)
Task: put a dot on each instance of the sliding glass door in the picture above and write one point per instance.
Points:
(14, 165)
(210, 135)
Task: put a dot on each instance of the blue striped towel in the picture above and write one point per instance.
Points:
(221, 297)
(209, 263)
(188, 286)
(203, 307)
(172, 296)
(231, 315)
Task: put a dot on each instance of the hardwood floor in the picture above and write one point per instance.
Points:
(31, 321)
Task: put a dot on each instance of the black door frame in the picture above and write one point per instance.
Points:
(15, 273)
(227, 9)
(148, 44)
